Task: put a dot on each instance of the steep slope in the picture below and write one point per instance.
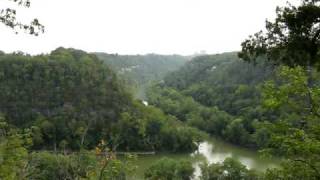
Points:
(219, 94)
(69, 99)
(221, 80)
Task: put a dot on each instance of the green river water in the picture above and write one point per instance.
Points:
(213, 151)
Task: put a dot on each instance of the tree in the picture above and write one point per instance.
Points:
(13, 151)
(295, 135)
(8, 18)
(236, 133)
(292, 39)
(110, 167)
(228, 169)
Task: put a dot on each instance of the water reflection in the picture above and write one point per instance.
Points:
(211, 154)
(247, 162)
(212, 151)
(216, 152)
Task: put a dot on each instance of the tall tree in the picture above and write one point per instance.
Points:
(292, 39)
(8, 18)
(298, 142)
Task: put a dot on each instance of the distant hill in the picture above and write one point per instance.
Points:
(139, 70)
(224, 69)
(214, 80)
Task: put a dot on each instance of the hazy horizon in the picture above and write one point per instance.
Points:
(167, 27)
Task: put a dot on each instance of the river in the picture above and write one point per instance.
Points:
(213, 151)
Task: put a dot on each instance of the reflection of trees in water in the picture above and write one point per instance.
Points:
(217, 152)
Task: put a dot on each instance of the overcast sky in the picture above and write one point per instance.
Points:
(140, 26)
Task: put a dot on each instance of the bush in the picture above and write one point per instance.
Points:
(169, 169)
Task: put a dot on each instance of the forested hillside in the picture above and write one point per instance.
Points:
(138, 71)
(69, 101)
(257, 105)
(222, 80)
(219, 94)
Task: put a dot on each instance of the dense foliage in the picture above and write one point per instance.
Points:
(295, 134)
(293, 40)
(219, 94)
(228, 169)
(186, 109)
(169, 169)
(148, 128)
(70, 100)
(67, 96)
(260, 106)
(17, 163)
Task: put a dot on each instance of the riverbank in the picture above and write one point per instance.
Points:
(213, 150)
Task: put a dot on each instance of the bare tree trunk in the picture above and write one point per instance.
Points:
(55, 146)
(309, 101)
(85, 134)
(309, 85)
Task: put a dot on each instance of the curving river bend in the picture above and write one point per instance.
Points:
(213, 151)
